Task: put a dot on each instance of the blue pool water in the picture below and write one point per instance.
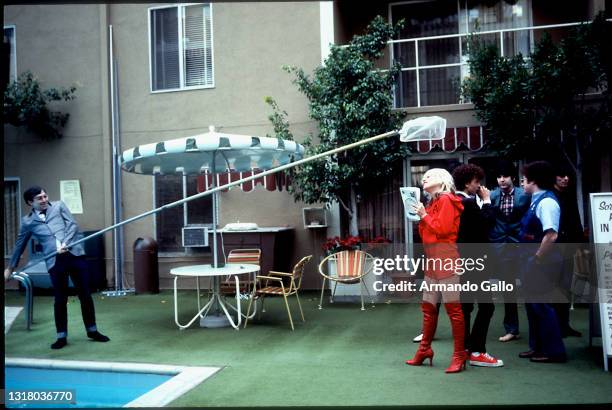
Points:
(92, 388)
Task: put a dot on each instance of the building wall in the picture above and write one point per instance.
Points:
(73, 54)
(251, 43)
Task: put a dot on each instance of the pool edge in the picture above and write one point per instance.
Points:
(185, 377)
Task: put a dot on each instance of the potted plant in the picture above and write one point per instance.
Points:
(337, 244)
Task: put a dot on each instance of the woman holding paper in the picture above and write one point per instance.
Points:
(438, 228)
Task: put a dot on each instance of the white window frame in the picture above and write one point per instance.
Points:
(13, 49)
(18, 199)
(180, 13)
(462, 25)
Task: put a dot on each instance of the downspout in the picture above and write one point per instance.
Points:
(116, 150)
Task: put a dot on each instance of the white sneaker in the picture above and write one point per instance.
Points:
(418, 338)
(484, 360)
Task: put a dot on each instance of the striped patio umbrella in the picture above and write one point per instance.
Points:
(212, 152)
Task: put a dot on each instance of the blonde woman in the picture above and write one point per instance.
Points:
(438, 228)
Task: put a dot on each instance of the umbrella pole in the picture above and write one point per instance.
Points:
(214, 206)
(217, 318)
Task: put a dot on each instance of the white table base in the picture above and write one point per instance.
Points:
(207, 318)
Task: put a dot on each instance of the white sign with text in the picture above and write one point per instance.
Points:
(70, 194)
(601, 217)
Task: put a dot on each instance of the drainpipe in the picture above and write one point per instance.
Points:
(116, 147)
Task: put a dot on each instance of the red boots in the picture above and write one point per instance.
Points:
(458, 330)
(430, 322)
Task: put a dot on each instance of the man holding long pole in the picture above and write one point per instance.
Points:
(54, 227)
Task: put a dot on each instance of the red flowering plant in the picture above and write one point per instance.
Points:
(377, 246)
(337, 244)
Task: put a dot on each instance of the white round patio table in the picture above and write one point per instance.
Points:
(199, 271)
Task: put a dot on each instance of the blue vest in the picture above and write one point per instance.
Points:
(531, 227)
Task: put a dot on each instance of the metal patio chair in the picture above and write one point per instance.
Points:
(346, 267)
(280, 284)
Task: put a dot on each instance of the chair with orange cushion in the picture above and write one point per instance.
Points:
(250, 256)
(280, 284)
(346, 267)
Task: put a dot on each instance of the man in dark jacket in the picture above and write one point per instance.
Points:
(472, 240)
(509, 203)
(570, 232)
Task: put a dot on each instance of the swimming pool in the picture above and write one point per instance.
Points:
(99, 384)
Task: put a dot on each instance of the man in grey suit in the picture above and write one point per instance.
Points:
(54, 227)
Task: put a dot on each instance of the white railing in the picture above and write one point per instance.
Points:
(461, 62)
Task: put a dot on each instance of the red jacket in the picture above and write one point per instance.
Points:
(439, 230)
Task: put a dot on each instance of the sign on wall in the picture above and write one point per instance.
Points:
(70, 194)
(601, 215)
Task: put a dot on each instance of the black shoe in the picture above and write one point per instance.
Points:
(527, 355)
(59, 343)
(97, 336)
(548, 359)
(571, 332)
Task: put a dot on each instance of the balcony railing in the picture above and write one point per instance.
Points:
(433, 67)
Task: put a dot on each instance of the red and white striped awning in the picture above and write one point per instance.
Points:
(274, 182)
(455, 138)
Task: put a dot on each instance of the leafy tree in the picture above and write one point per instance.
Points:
(545, 104)
(27, 104)
(351, 100)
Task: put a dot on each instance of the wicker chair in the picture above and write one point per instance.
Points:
(280, 284)
(346, 267)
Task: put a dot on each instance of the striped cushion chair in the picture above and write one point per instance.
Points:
(280, 284)
(251, 256)
(346, 267)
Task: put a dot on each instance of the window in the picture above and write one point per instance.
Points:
(433, 67)
(169, 223)
(181, 47)
(12, 214)
(8, 54)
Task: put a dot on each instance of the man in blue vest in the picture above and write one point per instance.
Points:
(540, 227)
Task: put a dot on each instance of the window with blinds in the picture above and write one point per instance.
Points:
(181, 47)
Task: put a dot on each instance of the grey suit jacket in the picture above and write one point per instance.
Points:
(59, 224)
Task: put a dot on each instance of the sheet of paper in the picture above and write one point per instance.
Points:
(410, 197)
(70, 194)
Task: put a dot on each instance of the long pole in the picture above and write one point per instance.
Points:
(226, 186)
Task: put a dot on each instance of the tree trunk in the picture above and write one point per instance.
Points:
(579, 194)
(577, 167)
(353, 226)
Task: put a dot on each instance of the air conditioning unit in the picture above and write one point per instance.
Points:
(195, 236)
